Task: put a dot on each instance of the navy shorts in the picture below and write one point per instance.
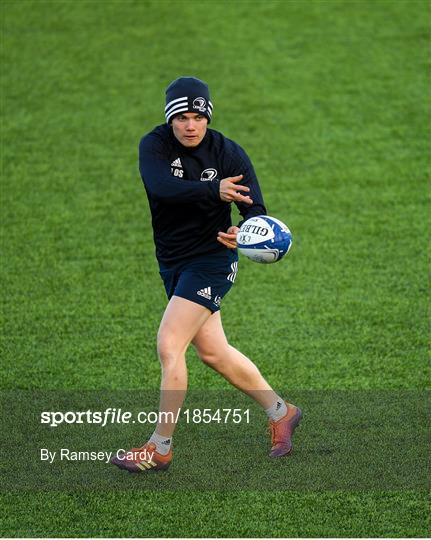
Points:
(204, 280)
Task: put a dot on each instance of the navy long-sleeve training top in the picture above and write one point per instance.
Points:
(182, 186)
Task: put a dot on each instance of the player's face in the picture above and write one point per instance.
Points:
(189, 128)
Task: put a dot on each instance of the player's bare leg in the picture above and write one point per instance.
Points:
(213, 348)
(180, 323)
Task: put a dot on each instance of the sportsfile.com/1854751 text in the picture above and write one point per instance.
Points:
(118, 416)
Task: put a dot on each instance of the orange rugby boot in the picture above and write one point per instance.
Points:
(282, 431)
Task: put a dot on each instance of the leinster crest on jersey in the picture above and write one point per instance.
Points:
(208, 175)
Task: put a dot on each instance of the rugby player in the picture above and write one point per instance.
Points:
(192, 175)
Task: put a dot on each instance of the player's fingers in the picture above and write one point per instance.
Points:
(230, 196)
(227, 243)
(236, 178)
(234, 188)
(230, 245)
(245, 199)
(241, 188)
(230, 236)
(226, 236)
(232, 240)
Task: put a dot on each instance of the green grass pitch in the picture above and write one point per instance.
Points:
(331, 100)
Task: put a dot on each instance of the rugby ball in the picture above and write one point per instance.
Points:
(264, 239)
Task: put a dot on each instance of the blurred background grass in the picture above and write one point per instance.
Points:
(331, 101)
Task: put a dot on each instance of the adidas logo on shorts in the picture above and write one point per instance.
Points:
(205, 292)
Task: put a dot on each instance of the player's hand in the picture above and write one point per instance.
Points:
(231, 191)
(228, 238)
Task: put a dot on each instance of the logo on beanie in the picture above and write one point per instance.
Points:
(208, 175)
(200, 104)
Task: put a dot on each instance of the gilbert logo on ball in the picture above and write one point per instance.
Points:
(264, 239)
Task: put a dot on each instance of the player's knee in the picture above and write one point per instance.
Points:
(166, 350)
(211, 357)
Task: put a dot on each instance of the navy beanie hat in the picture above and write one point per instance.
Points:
(188, 94)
